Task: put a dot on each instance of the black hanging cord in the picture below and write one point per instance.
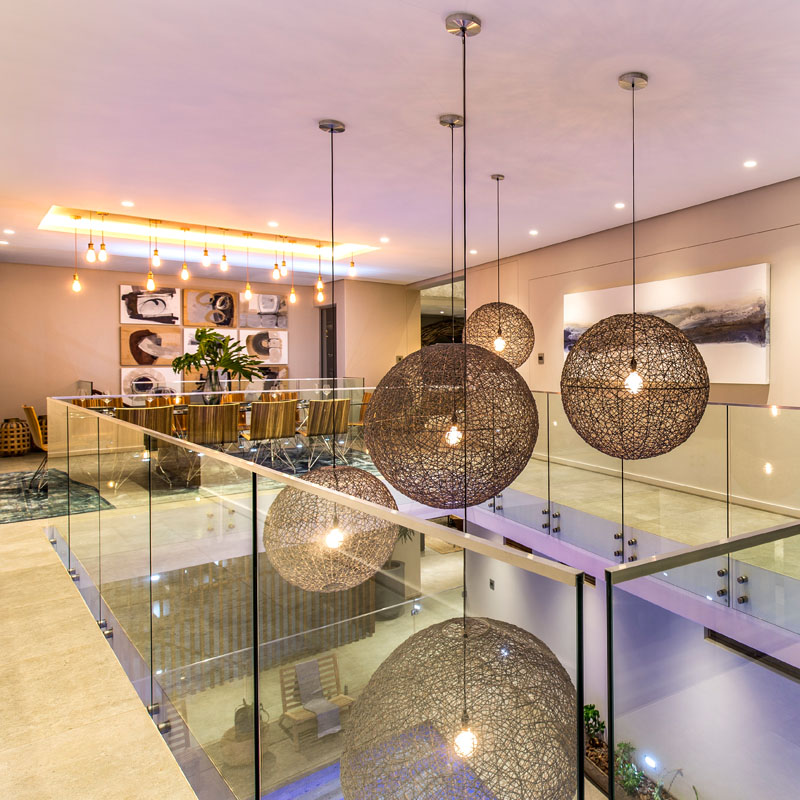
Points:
(633, 218)
(452, 236)
(499, 315)
(333, 308)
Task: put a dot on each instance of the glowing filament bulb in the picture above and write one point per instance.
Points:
(334, 537)
(453, 436)
(320, 296)
(185, 272)
(352, 269)
(465, 743)
(91, 256)
(156, 260)
(151, 284)
(247, 292)
(103, 254)
(276, 273)
(292, 296)
(499, 344)
(634, 382)
(76, 284)
(284, 270)
(320, 285)
(206, 258)
(223, 264)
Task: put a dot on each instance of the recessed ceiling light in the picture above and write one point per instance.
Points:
(533, 232)
(2, 241)
(384, 240)
(473, 252)
(273, 223)
(750, 164)
(9, 231)
(619, 205)
(127, 203)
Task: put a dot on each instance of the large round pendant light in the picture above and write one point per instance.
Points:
(500, 327)
(453, 424)
(634, 386)
(322, 546)
(315, 543)
(406, 736)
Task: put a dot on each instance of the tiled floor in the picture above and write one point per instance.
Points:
(66, 734)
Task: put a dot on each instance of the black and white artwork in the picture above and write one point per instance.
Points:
(270, 346)
(210, 308)
(725, 313)
(263, 311)
(161, 307)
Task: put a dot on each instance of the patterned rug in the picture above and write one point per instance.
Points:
(18, 503)
(320, 785)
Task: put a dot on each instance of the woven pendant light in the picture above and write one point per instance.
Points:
(402, 740)
(451, 425)
(322, 546)
(634, 386)
(500, 327)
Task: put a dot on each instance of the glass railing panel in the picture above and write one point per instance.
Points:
(679, 498)
(585, 490)
(763, 467)
(84, 503)
(201, 599)
(125, 455)
(687, 667)
(58, 474)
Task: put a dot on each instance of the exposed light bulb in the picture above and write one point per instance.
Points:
(499, 344)
(465, 743)
(453, 436)
(292, 296)
(247, 292)
(320, 296)
(320, 285)
(633, 383)
(91, 256)
(206, 262)
(185, 272)
(334, 537)
(151, 284)
(352, 269)
(223, 264)
(276, 273)
(156, 259)
(76, 283)
(103, 254)
(284, 269)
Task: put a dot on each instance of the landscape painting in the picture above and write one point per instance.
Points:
(150, 346)
(263, 311)
(725, 313)
(160, 307)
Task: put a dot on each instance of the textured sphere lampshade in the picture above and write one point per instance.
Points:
(658, 417)
(322, 546)
(521, 706)
(409, 420)
(486, 322)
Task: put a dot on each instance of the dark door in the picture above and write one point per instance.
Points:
(327, 341)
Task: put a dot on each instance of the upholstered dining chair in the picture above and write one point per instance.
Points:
(327, 420)
(272, 424)
(40, 476)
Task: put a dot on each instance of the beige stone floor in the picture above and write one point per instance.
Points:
(680, 517)
(72, 724)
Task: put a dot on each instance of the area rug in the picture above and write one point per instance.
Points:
(18, 503)
(320, 785)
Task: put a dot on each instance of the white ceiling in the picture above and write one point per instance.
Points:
(206, 112)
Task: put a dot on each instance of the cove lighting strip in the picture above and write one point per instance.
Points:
(121, 226)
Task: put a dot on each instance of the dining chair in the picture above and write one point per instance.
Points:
(327, 420)
(272, 424)
(40, 476)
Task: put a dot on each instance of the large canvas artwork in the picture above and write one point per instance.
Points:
(137, 305)
(270, 346)
(263, 311)
(209, 308)
(138, 381)
(150, 346)
(725, 313)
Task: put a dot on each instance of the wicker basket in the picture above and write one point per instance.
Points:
(15, 437)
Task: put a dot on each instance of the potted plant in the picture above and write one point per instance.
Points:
(215, 355)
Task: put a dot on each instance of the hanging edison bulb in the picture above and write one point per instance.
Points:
(206, 260)
(284, 268)
(248, 292)
(91, 256)
(155, 261)
(352, 267)
(292, 296)
(223, 264)
(76, 283)
(103, 254)
(185, 272)
(151, 284)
